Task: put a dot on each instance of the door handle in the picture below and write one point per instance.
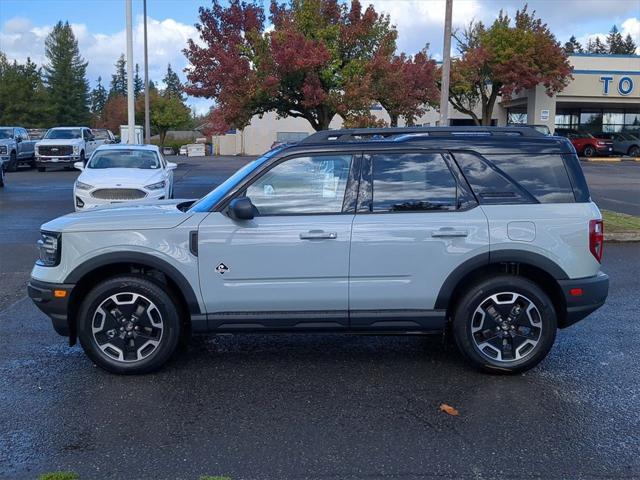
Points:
(450, 232)
(318, 235)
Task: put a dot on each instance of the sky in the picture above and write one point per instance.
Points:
(99, 26)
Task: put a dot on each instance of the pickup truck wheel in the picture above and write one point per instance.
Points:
(13, 163)
(505, 324)
(1, 177)
(128, 325)
(589, 151)
(82, 159)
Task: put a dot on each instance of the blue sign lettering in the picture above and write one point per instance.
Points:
(625, 86)
(605, 84)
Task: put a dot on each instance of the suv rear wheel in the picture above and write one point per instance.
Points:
(128, 325)
(505, 324)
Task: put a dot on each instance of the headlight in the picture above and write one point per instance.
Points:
(3, 149)
(49, 246)
(600, 143)
(83, 186)
(156, 186)
(76, 149)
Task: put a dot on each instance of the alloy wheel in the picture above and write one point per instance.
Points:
(127, 327)
(506, 327)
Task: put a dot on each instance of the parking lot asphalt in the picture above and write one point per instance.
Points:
(615, 186)
(303, 406)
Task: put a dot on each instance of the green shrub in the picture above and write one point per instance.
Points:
(59, 476)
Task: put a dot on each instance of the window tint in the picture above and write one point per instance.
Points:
(489, 185)
(543, 176)
(412, 181)
(303, 185)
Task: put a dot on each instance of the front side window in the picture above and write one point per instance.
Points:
(412, 182)
(302, 186)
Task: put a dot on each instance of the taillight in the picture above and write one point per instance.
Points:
(596, 238)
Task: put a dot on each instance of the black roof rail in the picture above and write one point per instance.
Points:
(399, 133)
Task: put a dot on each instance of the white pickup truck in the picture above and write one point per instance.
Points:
(63, 146)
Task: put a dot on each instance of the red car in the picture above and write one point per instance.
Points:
(586, 144)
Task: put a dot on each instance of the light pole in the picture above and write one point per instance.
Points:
(446, 66)
(131, 112)
(147, 122)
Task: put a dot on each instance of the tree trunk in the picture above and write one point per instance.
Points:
(163, 134)
(487, 106)
(393, 119)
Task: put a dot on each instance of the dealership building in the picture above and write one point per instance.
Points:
(604, 96)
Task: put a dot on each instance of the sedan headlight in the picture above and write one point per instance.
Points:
(3, 149)
(49, 247)
(76, 149)
(83, 186)
(156, 186)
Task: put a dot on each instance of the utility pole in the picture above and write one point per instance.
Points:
(131, 112)
(446, 66)
(147, 122)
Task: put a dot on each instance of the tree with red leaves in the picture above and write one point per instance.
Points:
(312, 64)
(504, 60)
(404, 86)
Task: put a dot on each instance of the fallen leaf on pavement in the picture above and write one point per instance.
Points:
(448, 409)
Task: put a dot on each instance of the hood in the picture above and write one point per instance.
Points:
(123, 177)
(61, 141)
(130, 216)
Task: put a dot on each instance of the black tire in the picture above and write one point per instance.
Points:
(13, 162)
(42, 169)
(589, 151)
(1, 177)
(517, 336)
(112, 332)
(634, 151)
(32, 163)
(82, 159)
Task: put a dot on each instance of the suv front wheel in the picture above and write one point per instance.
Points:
(128, 325)
(505, 324)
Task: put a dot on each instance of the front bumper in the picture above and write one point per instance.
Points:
(593, 293)
(49, 300)
(49, 161)
(605, 149)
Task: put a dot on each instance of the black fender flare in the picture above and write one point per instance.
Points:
(495, 257)
(139, 258)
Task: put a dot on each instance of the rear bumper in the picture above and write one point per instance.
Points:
(594, 291)
(55, 306)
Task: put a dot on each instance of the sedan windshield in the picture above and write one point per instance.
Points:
(63, 134)
(143, 159)
(6, 132)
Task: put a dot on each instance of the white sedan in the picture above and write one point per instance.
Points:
(123, 173)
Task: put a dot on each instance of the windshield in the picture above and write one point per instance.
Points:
(64, 134)
(142, 159)
(207, 202)
(6, 132)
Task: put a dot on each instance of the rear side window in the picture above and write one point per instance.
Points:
(412, 182)
(543, 176)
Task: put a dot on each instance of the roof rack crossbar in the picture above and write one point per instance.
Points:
(357, 134)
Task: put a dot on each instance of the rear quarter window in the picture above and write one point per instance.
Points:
(543, 176)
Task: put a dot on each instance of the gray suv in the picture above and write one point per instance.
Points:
(488, 233)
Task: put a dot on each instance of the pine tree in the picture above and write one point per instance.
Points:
(65, 77)
(573, 46)
(173, 85)
(615, 43)
(119, 79)
(98, 99)
(23, 96)
(630, 46)
(138, 84)
(597, 47)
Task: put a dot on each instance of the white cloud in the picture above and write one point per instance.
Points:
(20, 39)
(631, 26)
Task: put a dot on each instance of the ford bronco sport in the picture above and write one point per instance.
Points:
(488, 233)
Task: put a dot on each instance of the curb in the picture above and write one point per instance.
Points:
(619, 237)
(609, 159)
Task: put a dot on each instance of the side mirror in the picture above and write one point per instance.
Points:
(241, 209)
(18, 139)
(79, 165)
(171, 166)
